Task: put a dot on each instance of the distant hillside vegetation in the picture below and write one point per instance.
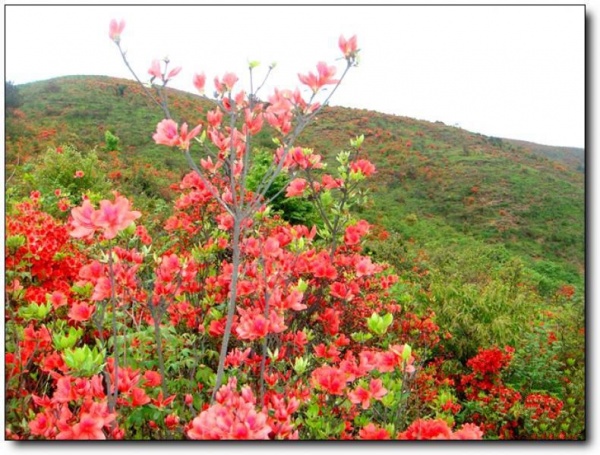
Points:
(437, 186)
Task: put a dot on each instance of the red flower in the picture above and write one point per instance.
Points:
(81, 312)
(153, 378)
(427, 429)
(364, 167)
(139, 397)
(373, 432)
(331, 380)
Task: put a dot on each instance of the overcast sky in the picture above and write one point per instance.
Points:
(506, 71)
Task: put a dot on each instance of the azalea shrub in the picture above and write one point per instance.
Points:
(235, 320)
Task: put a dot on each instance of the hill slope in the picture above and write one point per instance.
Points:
(436, 185)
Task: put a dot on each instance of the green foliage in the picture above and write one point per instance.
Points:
(12, 96)
(84, 362)
(482, 314)
(58, 171)
(111, 141)
(536, 365)
(293, 210)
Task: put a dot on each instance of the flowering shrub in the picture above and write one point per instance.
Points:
(231, 323)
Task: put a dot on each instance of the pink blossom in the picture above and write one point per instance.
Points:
(323, 77)
(154, 69)
(296, 188)
(82, 220)
(115, 30)
(226, 84)
(199, 80)
(233, 416)
(185, 137)
(365, 267)
(81, 312)
(468, 431)
(166, 133)
(348, 46)
(114, 216)
(174, 72)
(79, 174)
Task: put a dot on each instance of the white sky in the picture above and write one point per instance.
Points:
(506, 71)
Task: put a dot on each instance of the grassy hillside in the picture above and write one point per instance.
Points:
(440, 188)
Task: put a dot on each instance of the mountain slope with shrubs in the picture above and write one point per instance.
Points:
(408, 280)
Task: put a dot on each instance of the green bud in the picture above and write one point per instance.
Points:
(379, 325)
(356, 176)
(84, 362)
(35, 311)
(302, 285)
(406, 352)
(300, 365)
(273, 355)
(357, 141)
(62, 341)
(361, 337)
(15, 241)
(130, 230)
(253, 64)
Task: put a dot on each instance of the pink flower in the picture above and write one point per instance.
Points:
(214, 117)
(185, 137)
(323, 77)
(79, 174)
(271, 248)
(199, 80)
(58, 299)
(252, 325)
(226, 84)
(233, 416)
(81, 312)
(365, 267)
(82, 220)
(154, 69)
(296, 188)
(115, 30)
(348, 46)
(362, 396)
(114, 217)
(468, 431)
(174, 72)
(166, 133)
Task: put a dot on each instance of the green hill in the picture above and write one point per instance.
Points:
(440, 189)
